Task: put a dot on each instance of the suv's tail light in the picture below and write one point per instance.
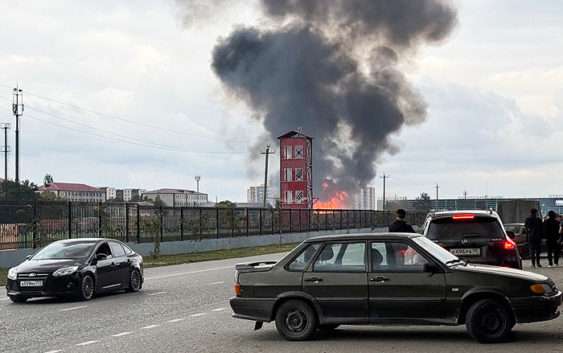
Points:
(509, 244)
(237, 289)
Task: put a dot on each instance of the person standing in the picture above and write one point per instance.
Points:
(551, 233)
(400, 225)
(534, 228)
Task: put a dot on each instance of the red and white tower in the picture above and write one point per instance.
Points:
(296, 170)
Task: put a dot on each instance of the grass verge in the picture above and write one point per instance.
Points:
(166, 260)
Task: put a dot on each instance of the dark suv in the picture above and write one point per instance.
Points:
(474, 236)
(388, 279)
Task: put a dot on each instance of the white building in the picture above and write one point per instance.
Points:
(110, 193)
(74, 192)
(132, 194)
(365, 199)
(178, 197)
(255, 195)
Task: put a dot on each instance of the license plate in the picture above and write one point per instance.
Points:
(466, 252)
(31, 283)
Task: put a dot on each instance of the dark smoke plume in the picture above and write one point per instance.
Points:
(331, 67)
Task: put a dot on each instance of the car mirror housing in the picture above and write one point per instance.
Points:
(432, 268)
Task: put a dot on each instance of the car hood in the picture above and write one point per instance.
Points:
(45, 265)
(502, 271)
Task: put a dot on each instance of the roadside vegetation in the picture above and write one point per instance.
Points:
(166, 260)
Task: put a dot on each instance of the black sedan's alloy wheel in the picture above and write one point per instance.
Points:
(489, 321)
(296, 320)
(135, 281)
(87, 288)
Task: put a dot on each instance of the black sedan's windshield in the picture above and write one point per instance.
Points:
(439, 252)
(65, 250)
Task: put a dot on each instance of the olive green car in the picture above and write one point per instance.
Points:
(388, 279)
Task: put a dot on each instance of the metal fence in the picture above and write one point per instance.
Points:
(32, 225)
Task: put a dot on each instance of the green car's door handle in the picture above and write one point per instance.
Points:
(379, 279)
(313, 279)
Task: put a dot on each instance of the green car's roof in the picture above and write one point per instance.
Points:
(364, 236)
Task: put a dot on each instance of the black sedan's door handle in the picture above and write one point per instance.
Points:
(313, 279)
(379, 279)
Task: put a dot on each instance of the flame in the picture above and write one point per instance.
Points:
(338, 201)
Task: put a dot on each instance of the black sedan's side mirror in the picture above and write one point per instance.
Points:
(432, 268)
(510, 234)
(28, 257)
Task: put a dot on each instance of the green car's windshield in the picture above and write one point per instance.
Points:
(436, 250)
(74, 250)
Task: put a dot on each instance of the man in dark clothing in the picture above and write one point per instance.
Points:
(551, 233)
(400, 225)
(534, 230)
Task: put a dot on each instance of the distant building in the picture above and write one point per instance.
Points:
(132, 194)
(74, 192)
(178, 197)
(255, 195)
(110, 193)
(365, 199)
(296, 170)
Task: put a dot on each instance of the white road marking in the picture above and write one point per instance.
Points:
(157, 293)
(87, 343)
(215, 283)
(75, 308)
(122, 334)
(2, 299)
(55, 351)
(149, 327)
(197, 315)
(176, 320)
(190, 272)
(218, 309)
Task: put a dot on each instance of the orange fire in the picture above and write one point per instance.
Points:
(338, 201)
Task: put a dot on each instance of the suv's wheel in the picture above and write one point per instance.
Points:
(135, 282)
(86, 288)
(17, 298)
(489, 321)
(296, 320)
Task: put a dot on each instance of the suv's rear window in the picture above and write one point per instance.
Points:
(478, 227)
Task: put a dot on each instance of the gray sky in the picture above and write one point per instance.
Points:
(122, 94)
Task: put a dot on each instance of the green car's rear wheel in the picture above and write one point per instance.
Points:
(296, 320)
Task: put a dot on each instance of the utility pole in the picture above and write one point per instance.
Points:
(197, 179)
(437, 190)
(267, 154)
(5, 126)
(17, 109)
(384, 177)
(465, 195)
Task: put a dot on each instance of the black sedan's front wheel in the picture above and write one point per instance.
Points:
(296, 320)
(17, 298)
(489, 321)
(86, 288)
(135, 281)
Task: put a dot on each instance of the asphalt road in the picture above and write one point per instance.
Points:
(185, 309)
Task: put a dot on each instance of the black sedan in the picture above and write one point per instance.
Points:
(80, 268)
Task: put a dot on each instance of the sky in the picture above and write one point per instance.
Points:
(122, 94)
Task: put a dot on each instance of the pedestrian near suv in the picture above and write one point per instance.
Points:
(551, 233)
(400, 225)
(534, 229)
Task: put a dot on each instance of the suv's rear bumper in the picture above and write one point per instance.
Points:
(534, 309)
(253, 308)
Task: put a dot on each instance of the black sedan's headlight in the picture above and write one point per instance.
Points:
(65, 271)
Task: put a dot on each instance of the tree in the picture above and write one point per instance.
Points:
(48, 196)
(225, 204)
(26, 191)
(423, 202)
(48, 179)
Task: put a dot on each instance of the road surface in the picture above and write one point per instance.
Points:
(185, 308)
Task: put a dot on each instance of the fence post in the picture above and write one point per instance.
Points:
(217, 220)
(99, 219)
(247, 217)
(181, 223)
(290, 219)
(138, 225)
(232, 222)
(340, 215)
(299, 213)
(34, 232)
(200, 222)
(260, 221)
(272, 221)
(69, 219)
(126, 222)
(161, 224)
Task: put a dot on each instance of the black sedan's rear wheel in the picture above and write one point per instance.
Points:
(135, 281)
(296, 320)
(86, 288)
(17, 298)
(489, 321)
